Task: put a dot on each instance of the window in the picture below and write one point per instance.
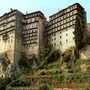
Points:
(60, 32)
(67, 24)
(11, 40)
(68, 15)
(68, 9)
(67, 20)
(66, 40)
(54, 34)
(73, 32)
(64, 16)
(70, 23)
(8, 41)
(61, 27)
(55, 44)
(54, 38)
(60, 42)
(75, 11)
(64, 21)
(75, 6)
(58, 19)
(60, 36)
(58, 28)
(61, 22)
(73, 22)
(66, 34)
(70, 18)
(74, 17)
(64, 25)
(61, 17)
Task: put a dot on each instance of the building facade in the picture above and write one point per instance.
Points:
(62, 27)
(10, 37)
(33, 28)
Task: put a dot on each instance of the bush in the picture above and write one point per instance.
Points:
(43, 72)
(68, 78)
(4, 82)
(53, 56)
(44, 87)
(59, 78)
(18, 83)
(54, 71)
(66, 57)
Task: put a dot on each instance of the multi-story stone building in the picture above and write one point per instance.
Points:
(34, 25)
(10, 36)
(63, 26)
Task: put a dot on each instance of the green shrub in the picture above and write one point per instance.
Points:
(59, 78)
(66, 57)
(44, 87)
(43, 72)
(68, 78)
(4, 81)
(70, 71)
(54, 71)
(18, 83)
(54, 55)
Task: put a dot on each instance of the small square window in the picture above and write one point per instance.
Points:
(54, 38)
(66, 40)
(66, 34)
(55, 44)
(54, 34)
(60, 42)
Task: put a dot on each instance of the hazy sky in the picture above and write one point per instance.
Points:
(48, 7)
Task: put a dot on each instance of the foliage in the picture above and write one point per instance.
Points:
(24, 61)
(28, 62)
(43, 72)
(4, 82)
(44, 87)
(66, 57)
(82, 61)
(59, 77)
(45, 52)
(52, 57)
(4, 61)
(54, 71)
(18, 83)
(68, 78)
